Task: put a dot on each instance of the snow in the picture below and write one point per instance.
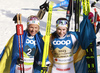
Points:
(8, 8)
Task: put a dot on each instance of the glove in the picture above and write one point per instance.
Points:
(15, 19)
(45, 6)
(97, 0)
(93, 4)
(44, 69)
(48, 63)
(20, 61)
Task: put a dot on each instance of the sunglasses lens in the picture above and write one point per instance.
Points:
(62, 22)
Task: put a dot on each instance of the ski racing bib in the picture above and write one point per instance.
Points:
(29, 53)
(62, 50)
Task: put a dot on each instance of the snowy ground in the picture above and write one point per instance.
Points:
(8, 8)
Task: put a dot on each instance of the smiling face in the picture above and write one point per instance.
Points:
(33, 29)
(61, 31)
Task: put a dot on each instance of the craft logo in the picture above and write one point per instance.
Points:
(30, 41)
(20, 30)
(63, 42)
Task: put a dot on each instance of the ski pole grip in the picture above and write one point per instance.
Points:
(17, 18)
(19, 29)
(20, 18)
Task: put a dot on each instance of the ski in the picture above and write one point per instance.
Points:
(84, 8)
(88, 7)
(90, 59)
(77, 14)
(62, 4)
(47, 38)
(68, 18)
(69, 13)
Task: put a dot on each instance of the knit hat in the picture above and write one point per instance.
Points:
(33, 20)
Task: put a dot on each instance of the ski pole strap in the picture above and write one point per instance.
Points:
(41, 13)
(44, 69)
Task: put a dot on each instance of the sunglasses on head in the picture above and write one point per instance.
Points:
(62, 22)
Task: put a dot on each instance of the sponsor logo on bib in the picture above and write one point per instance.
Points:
(63, 42)
(30, 41)
(63, 69)
(26, 69)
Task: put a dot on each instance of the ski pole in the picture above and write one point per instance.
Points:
(72, 17)
(18, 38)
(19, 30)
(69, 13)
(77, 14)
(95, 19)
(22, 41)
